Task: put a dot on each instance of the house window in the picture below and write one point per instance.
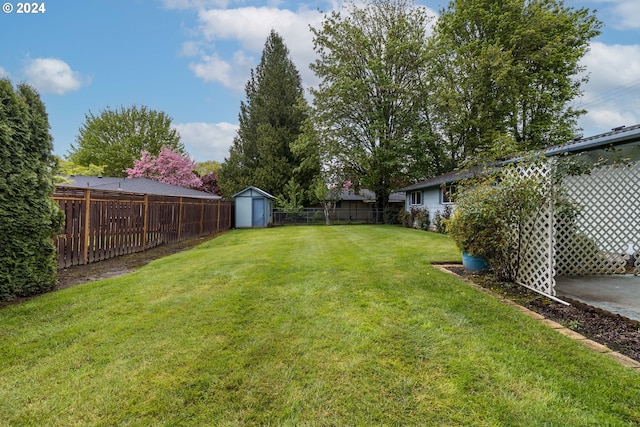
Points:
(416, 198)
(448, 192)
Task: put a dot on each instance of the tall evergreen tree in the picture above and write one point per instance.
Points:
(270, 121)
(29, 219)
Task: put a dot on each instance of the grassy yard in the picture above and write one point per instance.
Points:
(316, 326)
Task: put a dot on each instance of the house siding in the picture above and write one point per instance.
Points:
(431, 200)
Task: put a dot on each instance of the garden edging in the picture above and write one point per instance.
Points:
(622, 359)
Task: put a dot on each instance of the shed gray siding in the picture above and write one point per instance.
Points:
(253, 208)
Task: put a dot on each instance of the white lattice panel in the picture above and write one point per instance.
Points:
(604, 237)
(536, 269)
(537, 249)
(607, 231)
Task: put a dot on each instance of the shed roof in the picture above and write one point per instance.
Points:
(135, 185)
(251, 187)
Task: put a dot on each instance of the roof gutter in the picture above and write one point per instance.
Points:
(614, 138)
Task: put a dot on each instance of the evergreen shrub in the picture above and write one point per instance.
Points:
(29, 218)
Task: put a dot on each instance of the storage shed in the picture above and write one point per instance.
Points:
(254, 208)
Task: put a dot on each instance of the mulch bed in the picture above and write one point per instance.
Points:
(616, 332)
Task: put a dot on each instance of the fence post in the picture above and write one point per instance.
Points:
(180, 220)
(85, 228)
(218, 220)
(201, 217)
(145, 223)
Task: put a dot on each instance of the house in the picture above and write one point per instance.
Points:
(134, 185)
(602, 239)
(253, 208)
(360, 205)
(434, 194)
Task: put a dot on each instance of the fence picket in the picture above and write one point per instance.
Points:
(102, 224)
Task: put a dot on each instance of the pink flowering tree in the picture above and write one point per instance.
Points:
(169, 167)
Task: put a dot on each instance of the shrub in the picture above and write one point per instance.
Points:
(491, 216)
(29, 219)
(404, 218)
(391, 215)
(440, 219)
(415, 218)
(420, 217)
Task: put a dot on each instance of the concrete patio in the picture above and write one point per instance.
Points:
(618, 294)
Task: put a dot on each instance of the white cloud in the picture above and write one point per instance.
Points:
(191, 48)
(207, 141)
(612, 95)
(627, 11)
(232, 74)
(193, 4)
(250, 27)
(3, 73)
(52, 75)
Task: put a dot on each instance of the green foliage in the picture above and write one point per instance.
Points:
(270, 120)
(491, 216)
(67, 167)
(440, 219)
(116, 138)
(504, 74)
(204, 168)
(420, 218)
(404, 218)
(369, 104)
(292, 198)
(326, 190)
(414, 218)
(391, 215)
(29, 219)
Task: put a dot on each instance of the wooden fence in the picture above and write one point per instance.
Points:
(102, 224)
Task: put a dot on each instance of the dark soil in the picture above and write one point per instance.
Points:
(123, 264)
(616, 332)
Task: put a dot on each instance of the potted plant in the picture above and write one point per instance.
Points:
(468, 229)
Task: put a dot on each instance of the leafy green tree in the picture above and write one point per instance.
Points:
(116, 138)
(208, 173)
(67, 167)
(292, 198)
(29, 219)
(369, 105)
(206, 167)
(270, 121)
(503, 74)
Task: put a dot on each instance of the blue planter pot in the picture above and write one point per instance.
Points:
(474, 264)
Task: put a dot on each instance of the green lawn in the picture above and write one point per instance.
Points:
(316, 326)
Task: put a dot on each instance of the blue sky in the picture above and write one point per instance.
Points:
(191, 59)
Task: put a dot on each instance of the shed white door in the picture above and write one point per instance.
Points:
(258, 213)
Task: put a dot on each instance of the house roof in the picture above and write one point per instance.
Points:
(251, 187)
(368, 196)
(135, 185)
(617, 136)
(442, 179)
